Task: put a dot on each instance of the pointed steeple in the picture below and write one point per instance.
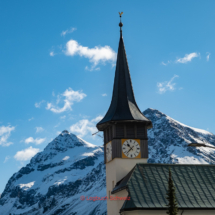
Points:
(123, 106)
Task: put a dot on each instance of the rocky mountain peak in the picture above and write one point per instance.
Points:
(153, 114)
(64, 132)
(64, 141)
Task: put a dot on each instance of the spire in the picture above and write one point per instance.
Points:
(120, 24)
(123, 106)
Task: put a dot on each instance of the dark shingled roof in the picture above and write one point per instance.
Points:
(147, 186)
(123, 106)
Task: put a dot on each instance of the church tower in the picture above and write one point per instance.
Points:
(124, 127)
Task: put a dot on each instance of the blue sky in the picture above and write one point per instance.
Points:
(57, 65)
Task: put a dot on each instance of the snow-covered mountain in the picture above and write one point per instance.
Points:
(54, 180)
(168, 140)
(69, 167)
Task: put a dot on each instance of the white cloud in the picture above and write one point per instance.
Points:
(31, 119)
(6, 159)
(165, 63)
(96, 55)
(92, 68)
(37, 141)
(68, 31)
(52, 54)
(208, 56)
(187, 57)
(104, 94)
(57, 125)
(167, 85)
(26, 154)
(70, 96)
(97, 119)
(39, 129)
(63, 117)
(85, 126)
(5, 134)
(38, 104)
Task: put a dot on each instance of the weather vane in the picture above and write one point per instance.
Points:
(120, 15)
(120, 24)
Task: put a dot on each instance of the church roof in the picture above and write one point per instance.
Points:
(147, 186)
(123, 106)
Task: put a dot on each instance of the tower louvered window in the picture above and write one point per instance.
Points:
(119, 130)
(110, 133)
(140, 131)
(130, 131)
(105, 136)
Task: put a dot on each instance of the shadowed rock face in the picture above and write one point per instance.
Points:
(69, 167)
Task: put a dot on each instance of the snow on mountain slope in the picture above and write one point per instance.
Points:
(168, 140)
(67, 167)
(55, 179)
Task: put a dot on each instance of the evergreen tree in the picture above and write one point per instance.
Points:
(172, 202)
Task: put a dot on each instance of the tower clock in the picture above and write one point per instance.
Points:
(131, 148)
(108, 148)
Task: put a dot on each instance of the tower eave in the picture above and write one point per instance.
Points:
(103, 125)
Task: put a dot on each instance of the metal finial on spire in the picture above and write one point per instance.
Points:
(120, 24)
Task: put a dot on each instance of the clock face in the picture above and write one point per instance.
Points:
(108, 152)
(131, 148)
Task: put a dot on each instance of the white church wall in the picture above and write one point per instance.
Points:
(117, 169)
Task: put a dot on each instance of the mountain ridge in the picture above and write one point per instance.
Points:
(169, 135)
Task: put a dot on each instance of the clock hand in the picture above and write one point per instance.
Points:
(129, 146)
(130, 149)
